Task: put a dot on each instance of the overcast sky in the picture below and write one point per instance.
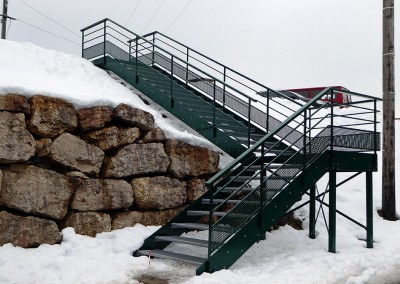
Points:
(281, 43)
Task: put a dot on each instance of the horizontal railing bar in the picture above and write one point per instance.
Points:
(102, 28)
(95, 24)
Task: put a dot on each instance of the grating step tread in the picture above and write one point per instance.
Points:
(194, 226)
(183, 240)
(173, 256)
(201, 213)
(233, 188)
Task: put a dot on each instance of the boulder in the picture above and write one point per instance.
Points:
(36, 191)
(195, 187)
(158, 192)
(27, 232)
(134, 117)
(51, 116)
(16, 143)
(154, 135)
(14, 103)
(189, 160)
(147, 218)
(105, 139)
(87, 223)
(43, 147)
(128, 135)
(75, 154)
(112, 137)
(99, 194)
(94, 117)
(137, 159)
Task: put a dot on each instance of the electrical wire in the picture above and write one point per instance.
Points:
(148, 23)
(134, 10)
(8, 30)
(47, 17)
(43, 30)
(177, 17)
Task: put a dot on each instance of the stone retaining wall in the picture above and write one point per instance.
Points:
(93, 169)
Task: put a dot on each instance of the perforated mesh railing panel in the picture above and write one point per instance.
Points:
(345, 138)
(111, 49)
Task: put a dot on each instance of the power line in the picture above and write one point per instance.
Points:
(127, 22)
(47, 17)
(43, 30)
(9, 26)
(177, 17)
(148, 23)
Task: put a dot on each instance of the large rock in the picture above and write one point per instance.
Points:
(14, 103)
(195, 187)
(189, 160)
(158, 192)
(134, 117)
(98, 194)
(75, 154)
(128, 135)
(36, 191)
(27, 232)
(43, 147)
(51, 116)
(154, 135)
(147, 218)
(112, 137)
(137, 159)
(105, 139)
(16, 143)
(94, 118)
(87, 223)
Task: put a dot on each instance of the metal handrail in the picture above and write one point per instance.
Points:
(222, 65)
(301, 160)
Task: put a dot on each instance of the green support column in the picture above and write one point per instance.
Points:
(332, 212)
(311, 228)
(369, 203)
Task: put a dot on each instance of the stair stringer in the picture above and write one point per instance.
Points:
(181, 217)
(180, 110)
(252, 232)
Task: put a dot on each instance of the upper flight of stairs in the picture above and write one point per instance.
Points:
(281, 152)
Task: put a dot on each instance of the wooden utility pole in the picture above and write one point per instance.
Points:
(4, 19)
(388, 162)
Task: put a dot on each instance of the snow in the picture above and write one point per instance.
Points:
(286, 256)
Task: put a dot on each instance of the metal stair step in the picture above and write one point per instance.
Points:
(217, 201)
(233, 188)
(173, 256)
(182, 240)
(201, 213)
(193, 226)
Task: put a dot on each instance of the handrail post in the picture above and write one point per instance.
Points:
(153, 52)
(262, 186)
(136, 60)
(83, 41)
(331, 134)
(214, 112)
(375, 134)
(267, 112)
(172, 82)
(210, 226)
(304, 146)
(248, 124)
(130, 51)
(187, 65)
(223, 94)
(105, 41)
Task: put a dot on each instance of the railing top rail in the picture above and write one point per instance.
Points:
(176, 57)
(223, 65)
(250, 150)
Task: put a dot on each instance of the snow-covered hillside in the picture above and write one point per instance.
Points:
(286, 256)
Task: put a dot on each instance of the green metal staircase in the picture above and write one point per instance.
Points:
(282, 148)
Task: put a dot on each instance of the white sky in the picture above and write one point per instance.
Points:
(282, 44)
